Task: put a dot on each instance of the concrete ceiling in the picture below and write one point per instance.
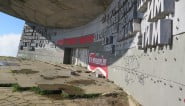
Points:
(55, 13)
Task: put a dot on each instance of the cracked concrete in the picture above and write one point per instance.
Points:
(85, 81)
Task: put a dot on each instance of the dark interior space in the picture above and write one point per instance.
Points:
(67, 55)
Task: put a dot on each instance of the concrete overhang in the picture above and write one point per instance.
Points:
(55, 13)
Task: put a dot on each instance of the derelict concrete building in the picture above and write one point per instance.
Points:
(138, 44)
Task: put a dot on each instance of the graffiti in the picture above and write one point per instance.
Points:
(130, 62)
(141, 79)
(128, 79)
(77, 40)
(98, 64)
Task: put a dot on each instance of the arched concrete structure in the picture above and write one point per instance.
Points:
(138, 43)
(55, 13)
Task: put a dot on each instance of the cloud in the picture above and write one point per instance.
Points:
(9, 44)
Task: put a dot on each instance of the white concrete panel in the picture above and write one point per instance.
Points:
(179, 17)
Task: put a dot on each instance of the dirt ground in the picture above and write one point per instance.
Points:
(78, 86)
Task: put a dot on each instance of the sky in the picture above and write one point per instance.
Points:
(10, 32)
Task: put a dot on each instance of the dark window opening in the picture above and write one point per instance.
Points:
(21, 47)
(32, 49)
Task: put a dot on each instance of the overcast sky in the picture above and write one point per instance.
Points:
(10, 33)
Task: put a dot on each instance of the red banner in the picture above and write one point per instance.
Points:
(78, 40)
(98, 64)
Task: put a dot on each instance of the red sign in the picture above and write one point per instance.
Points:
(98, 64)
(78, 40)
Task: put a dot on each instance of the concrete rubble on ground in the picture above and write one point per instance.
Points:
(68, 78)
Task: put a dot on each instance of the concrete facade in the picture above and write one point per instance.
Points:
(139, 47)
(36, 44)
(55, 13)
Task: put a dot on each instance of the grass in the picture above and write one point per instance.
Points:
(22, 59)
(24, 71)
(7, 57)
(64, 94)
(86, 96)
(53, 77)
(77, 96)
(17, 88)
(37, 90)
(7, 85)
(45, 92)
(73, 93)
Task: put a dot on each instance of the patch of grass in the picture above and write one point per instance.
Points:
(24, 71)
(18, 88)
(72, 93)
(6, 57)
(82, 82)
(37, 90)
(7, 85)
(64, 94)
(23, 58)
(69, 89)
(78, 96)
(86, 96)
(45, 92)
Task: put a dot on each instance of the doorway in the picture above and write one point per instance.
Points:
(67, 55)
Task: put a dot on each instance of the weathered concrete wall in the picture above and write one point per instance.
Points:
(35, 44)
(154, 78)
(147, 62)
